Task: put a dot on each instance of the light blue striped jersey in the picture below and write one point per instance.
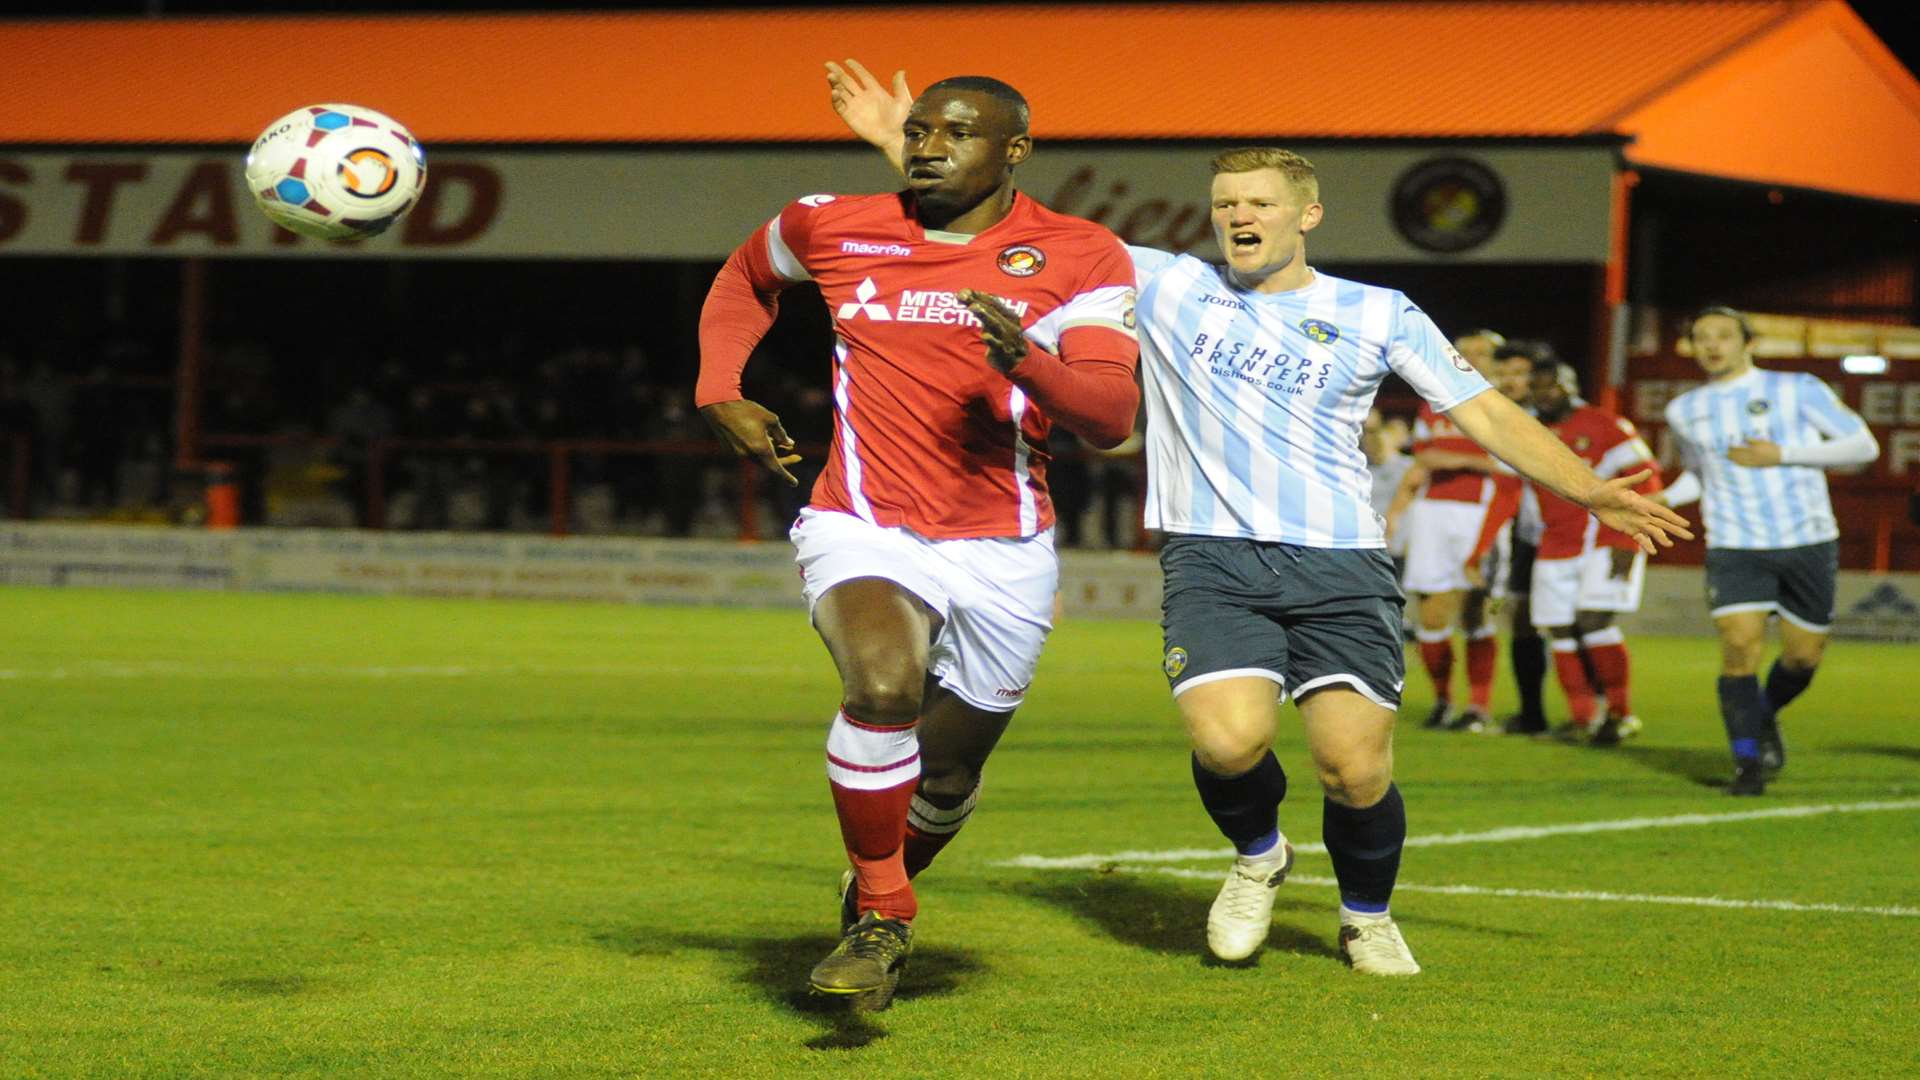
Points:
(1777, 506)
(1255, 401)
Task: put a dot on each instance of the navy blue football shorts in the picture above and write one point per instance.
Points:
(1796, 582)
(1303, 617)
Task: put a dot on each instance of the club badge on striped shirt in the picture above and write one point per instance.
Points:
(1320, 330)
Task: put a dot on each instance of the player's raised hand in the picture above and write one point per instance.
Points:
(999, 329)
(754, 431)
(1651, 525)
(1755, 454)
(869, 108)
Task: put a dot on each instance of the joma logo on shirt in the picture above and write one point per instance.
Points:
(1262, 367)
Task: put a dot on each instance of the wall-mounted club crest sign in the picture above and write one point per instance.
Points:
(1448, 205)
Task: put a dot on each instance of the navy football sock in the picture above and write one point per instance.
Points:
(1365, 847)
(1529, 656)
(1245, 807)
(1743, 709)
(1785, 683)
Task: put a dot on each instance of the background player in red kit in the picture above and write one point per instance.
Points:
(1586, 573)
(927, 549)
(1465, 486)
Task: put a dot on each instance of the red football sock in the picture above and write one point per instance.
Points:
(1611, 666)
(873, 771)
(1483, 657)
(1436, 652)
(931, 827)
(1573, 680)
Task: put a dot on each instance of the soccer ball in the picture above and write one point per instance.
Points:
(336, 172)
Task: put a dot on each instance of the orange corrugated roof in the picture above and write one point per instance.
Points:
(1818, 101)
(1299, 71)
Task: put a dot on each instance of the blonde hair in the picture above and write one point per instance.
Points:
(1298, 170)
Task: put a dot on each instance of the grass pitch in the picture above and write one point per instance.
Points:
(286, 835)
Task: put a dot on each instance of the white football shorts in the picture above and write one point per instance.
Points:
(994, 595)
(1440, 534)
(1562, 587)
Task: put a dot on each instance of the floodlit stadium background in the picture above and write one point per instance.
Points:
(284, 798)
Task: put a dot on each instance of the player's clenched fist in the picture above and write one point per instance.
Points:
(999, 329)
(754, 431)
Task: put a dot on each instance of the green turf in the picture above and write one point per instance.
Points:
(323, 836)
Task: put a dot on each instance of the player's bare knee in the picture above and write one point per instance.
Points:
(1740, 653)
(880, 694)
(1802, 657)
(1587, 622)
(945, 783)
(1229, 756)
(1357, 785)
(1358, 778)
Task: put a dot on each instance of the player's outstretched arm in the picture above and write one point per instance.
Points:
(1452, 459)
(871, 110)
(1506, 431)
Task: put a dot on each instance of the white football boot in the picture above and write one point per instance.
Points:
(1373, 945)
(1243, 912)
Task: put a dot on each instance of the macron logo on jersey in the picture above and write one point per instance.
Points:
(862, 247)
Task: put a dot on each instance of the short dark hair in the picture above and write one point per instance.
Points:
(993, 88)
(1738, 316)
(1531, 349)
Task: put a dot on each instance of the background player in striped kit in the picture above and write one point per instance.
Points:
(926, 550)
(1463, 486)
(1260, 377)
(1755, 443)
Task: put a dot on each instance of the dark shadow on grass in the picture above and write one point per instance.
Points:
(1699, 765)
(1904, 753)
(1160, 916)
(777, 967)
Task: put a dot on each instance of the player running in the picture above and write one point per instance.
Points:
(1258, 376)
(1586, 573)
(1464, 486)
(1754, 443)
(927, 548)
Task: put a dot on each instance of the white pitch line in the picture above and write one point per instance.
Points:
(1490, 836)
(1559, 894)
(167, 670)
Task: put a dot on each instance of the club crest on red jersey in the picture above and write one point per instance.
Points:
(1022, 260)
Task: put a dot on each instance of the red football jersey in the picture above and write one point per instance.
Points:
(1433, 431)
(1610, 444)
(927, 435)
